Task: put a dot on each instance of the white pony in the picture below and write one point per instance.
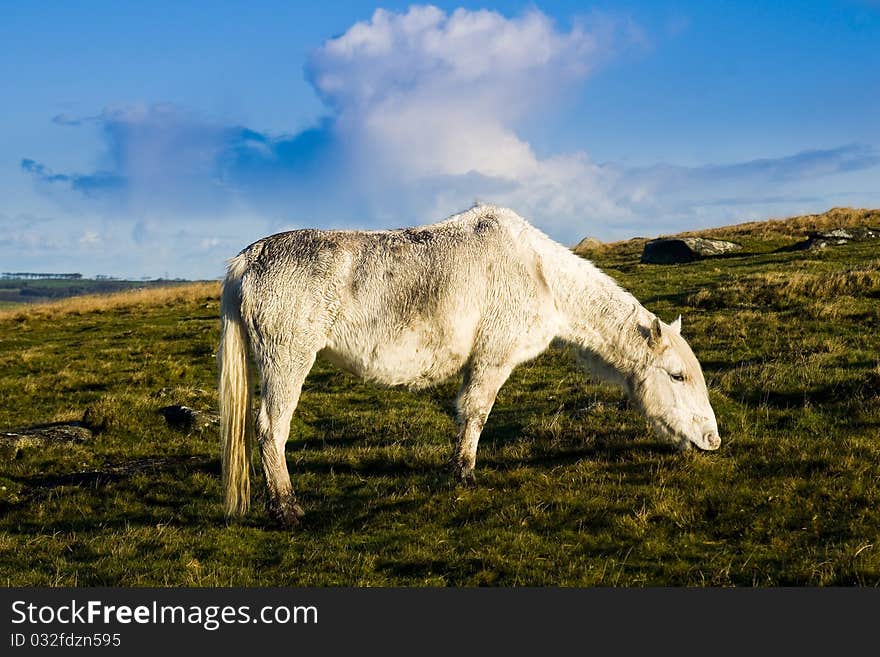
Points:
(478, 293)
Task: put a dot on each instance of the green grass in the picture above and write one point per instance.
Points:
(573, 489)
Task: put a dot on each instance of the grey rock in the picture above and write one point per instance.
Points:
(184, 418)
(672, 250)
(837, 237)
(11, 442)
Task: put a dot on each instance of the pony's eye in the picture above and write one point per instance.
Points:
(676, 376)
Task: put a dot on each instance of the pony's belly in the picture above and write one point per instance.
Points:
(410, 359)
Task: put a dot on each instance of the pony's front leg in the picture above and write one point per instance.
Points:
(465, 458)
(475, 400)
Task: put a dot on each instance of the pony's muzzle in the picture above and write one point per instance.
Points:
(711, 440)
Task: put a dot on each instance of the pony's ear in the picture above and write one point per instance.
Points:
(676, 325)
(655, 334)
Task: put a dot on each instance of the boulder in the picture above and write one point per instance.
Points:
(837, 237)
(184, 418)
(672, 250)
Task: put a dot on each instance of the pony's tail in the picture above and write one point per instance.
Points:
(236, 420)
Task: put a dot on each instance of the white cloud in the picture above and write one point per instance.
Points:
(434, 94)
(90, 239)
(430, 95)
(207, 243)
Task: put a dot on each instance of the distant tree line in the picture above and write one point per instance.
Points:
(39, 276)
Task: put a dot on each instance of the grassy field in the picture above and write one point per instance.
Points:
(573, 489)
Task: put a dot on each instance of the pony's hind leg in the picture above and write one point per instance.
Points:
(475, 400)
(282, 376)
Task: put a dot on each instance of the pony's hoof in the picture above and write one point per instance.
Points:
(464, 476)
(286, 514)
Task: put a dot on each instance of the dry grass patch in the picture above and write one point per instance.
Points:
(155, 296)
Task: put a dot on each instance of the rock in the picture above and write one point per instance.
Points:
(59, 432)
(11, 442)
(671, 250)
(184, 418)
(837, 237)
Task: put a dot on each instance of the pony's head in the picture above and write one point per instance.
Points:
(671, 391)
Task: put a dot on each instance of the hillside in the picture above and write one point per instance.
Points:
(794, 228)
(573, 488)
(755, 236)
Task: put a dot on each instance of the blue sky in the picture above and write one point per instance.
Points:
(159, 139)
